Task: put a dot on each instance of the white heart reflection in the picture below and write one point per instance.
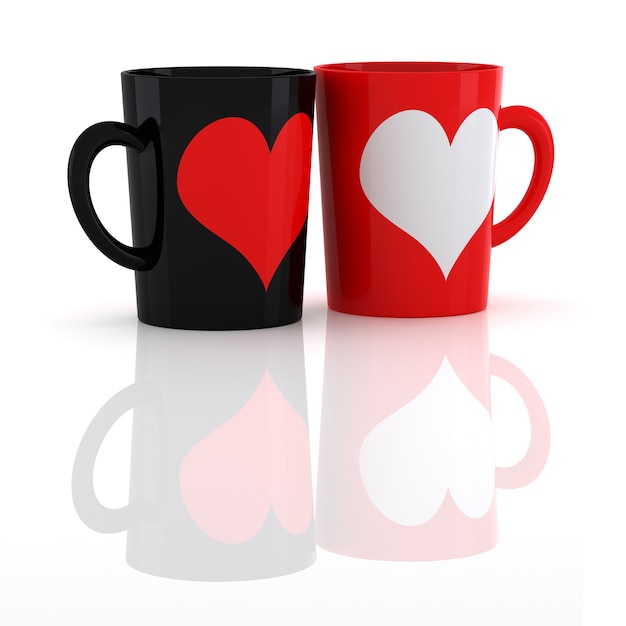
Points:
(442, 441)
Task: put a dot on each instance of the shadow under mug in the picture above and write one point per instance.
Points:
(407, 466)
(407, 167)
(220, 481)
(219, 165)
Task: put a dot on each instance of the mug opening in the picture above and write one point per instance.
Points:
(219, 72)
(407, 67)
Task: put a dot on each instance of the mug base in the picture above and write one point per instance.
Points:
(219, 325)
(381, 312)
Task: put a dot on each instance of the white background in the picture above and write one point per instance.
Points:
(556, 308)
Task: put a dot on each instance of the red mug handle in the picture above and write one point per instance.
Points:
(535, 126)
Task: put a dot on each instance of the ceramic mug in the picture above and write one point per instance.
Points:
(407, 158)
(219, 167)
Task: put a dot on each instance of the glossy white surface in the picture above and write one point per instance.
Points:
(69, 335)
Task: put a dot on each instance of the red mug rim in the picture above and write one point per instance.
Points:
(406, 67)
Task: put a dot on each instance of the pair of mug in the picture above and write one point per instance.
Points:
(219, 166)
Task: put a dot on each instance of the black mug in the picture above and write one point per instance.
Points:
(219, 163)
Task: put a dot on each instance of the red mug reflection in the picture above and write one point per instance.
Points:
(406, 468)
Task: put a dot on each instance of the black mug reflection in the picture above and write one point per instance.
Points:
(220, 485)
(407, 460)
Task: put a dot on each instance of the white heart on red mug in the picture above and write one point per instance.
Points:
(440, 442)
(439, 192)
(255, 462)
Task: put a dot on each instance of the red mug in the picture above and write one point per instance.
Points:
(407, 166)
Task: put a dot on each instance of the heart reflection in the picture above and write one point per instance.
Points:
(407, 452)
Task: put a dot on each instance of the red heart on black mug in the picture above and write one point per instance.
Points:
(253, 197)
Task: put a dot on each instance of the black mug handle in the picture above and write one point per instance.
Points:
(85, 150)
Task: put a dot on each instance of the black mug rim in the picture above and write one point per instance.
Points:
(212, 72)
